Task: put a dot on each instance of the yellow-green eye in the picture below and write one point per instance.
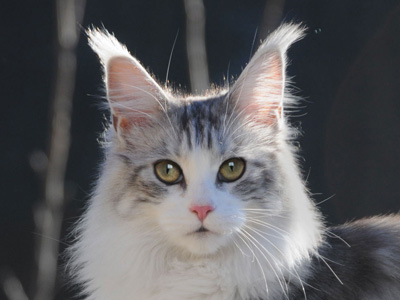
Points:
(231, 169)
(167, 171)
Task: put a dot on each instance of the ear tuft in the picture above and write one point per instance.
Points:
(260, 90)
(282, 38)
(134, 96)
(105, 45)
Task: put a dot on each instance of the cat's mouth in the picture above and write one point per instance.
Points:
(202, 229)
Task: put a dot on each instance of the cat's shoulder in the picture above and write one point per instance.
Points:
(377, 231)
(358, 260)
(376, 237)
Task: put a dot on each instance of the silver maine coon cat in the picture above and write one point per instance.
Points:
(202, 198)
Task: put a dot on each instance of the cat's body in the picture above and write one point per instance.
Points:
(361, 262)
(201, 198)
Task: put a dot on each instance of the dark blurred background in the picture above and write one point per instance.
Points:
(347, 70)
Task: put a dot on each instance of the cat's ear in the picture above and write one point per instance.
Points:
(260, 90)
(134, 96)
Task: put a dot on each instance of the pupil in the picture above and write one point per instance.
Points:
(231, 165)
(169, 167)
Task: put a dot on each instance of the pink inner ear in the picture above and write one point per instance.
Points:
(260, 89)
(125, 81)
(132, 92)
(124, 123)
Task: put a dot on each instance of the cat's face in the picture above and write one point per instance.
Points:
(198, 172)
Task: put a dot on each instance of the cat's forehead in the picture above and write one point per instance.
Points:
(206, 111)
(199, 104)
(207, 127)
(200, 123)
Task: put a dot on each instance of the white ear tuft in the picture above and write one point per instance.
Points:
(282, 38)
(134, 96)
(259, 90)
(105, 45)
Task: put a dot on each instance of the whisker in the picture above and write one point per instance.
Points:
(267, 234)
(270, 254)
(255, 257)
(270, 213)
(265, 257)
(332, 261)
(244, 254)
(263, 216)
(256, 209)
(272, 227)
(333, 272)
(308, 175)
(329, 198)
(227, 102)
(260, 233)
(50, 238)
(338, 237)
(252, 45)
(170, 58)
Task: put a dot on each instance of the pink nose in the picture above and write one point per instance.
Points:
(201, 211)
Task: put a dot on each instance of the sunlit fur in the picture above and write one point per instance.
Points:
(138, 239)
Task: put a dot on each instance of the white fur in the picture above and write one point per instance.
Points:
(149, 252)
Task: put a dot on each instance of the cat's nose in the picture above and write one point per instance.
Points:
(201, 211)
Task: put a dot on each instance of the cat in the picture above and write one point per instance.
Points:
(201, 197)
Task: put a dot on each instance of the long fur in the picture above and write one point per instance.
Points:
(138, 238)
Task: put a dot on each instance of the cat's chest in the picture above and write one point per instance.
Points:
(224, 279)
(203, 280)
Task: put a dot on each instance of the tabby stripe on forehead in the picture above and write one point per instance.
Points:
(213, 123)
(214, 115)
(199, 130)
(185, 126)
(209, 138)
(197, 113)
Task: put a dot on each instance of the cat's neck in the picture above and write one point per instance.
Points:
(306, 227)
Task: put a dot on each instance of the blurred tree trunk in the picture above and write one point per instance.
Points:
(272, 16)
(196, 45)
(49, 214)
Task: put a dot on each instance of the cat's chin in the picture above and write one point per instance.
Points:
(202, 242)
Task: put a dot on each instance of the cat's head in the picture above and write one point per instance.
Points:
(205, 173)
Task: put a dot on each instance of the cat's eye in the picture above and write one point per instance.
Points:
(168, 172)
(231, 170)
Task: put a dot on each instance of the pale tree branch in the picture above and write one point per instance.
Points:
(271, 18)
(49, 214)
(11, 285)
(196, 45)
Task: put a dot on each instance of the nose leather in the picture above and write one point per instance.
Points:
(201, 211)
